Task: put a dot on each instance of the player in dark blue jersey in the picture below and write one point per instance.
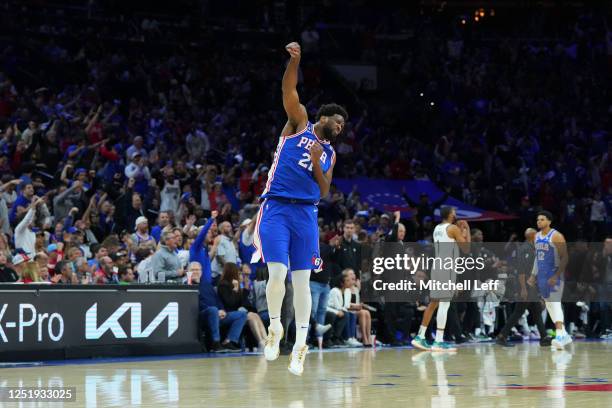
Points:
(548, 270)
(287, 233)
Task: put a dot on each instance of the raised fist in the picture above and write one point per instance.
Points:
(294, 50)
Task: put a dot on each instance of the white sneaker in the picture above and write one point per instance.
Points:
(322, 329)
(560, 341)
(353, 342)
(272, 349)
(296, 360)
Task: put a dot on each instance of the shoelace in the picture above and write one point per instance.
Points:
(302, 354)
(270, 338)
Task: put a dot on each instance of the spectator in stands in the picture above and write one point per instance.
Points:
(234, 294)
(141, 235)
(104, 273)
(225, 250)
(126, 275)
(213, 318)
(7, 274)
(257, 296)
(162, 222)
(338, 315)
(171, 192)
(165, 262)
(66, 274)
(18, 262)
(25, 238)
(30, 273)
(195, 271)
(145, 271)
(198, 252)
(21, 204)
(347, 252)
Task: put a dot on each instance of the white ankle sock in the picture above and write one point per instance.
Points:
(302, 302)
(440, 335)
(422, 331)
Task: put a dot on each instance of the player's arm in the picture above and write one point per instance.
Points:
(463, 239)
(323, 179)
(559, 240)
(296, 112)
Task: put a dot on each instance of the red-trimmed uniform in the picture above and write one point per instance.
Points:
(287, 228)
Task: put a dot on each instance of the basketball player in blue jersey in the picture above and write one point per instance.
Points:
(287, 233)
(548, 270)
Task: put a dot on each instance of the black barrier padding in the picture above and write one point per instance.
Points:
(40, 323)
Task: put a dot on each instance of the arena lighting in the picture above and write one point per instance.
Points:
(481, 12)
(463, 21)
(492, 14)
(476, 18)
(432, 103)
(421, 94)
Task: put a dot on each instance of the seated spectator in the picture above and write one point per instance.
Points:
(213, 318)
(7, 274)
(337, 316)
(65, 276)
(234, 292)
(30, 273)
(194, 270)
(144, 269)
(126, 275)
(43, 273)
(18, 262)
(165, 262)
(258, 295)
(104, 273)
(141, 234)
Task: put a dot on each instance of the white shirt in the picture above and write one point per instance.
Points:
(25, 238)
(338, 300)
(598, 211)
(170, 196)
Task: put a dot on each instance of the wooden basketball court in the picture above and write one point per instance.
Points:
(480, 375)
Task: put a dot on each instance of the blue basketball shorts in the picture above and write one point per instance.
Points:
(288, 233)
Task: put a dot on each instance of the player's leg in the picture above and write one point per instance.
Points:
(555, 310)
(419, 341)
(303, 257)
(562, 338)
(272, 236)
(439, 344)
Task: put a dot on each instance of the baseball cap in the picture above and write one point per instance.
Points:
(141, 220)
(71, 230)
(186, 196)
(136, 154)
(51, 248)
(20, 258)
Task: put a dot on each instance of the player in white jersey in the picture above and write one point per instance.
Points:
(548, 270)
(450, 237)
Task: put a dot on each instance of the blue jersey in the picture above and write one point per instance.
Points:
(291, 176)
(547, 256)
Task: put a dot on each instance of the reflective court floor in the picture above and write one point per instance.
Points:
(480, 375)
